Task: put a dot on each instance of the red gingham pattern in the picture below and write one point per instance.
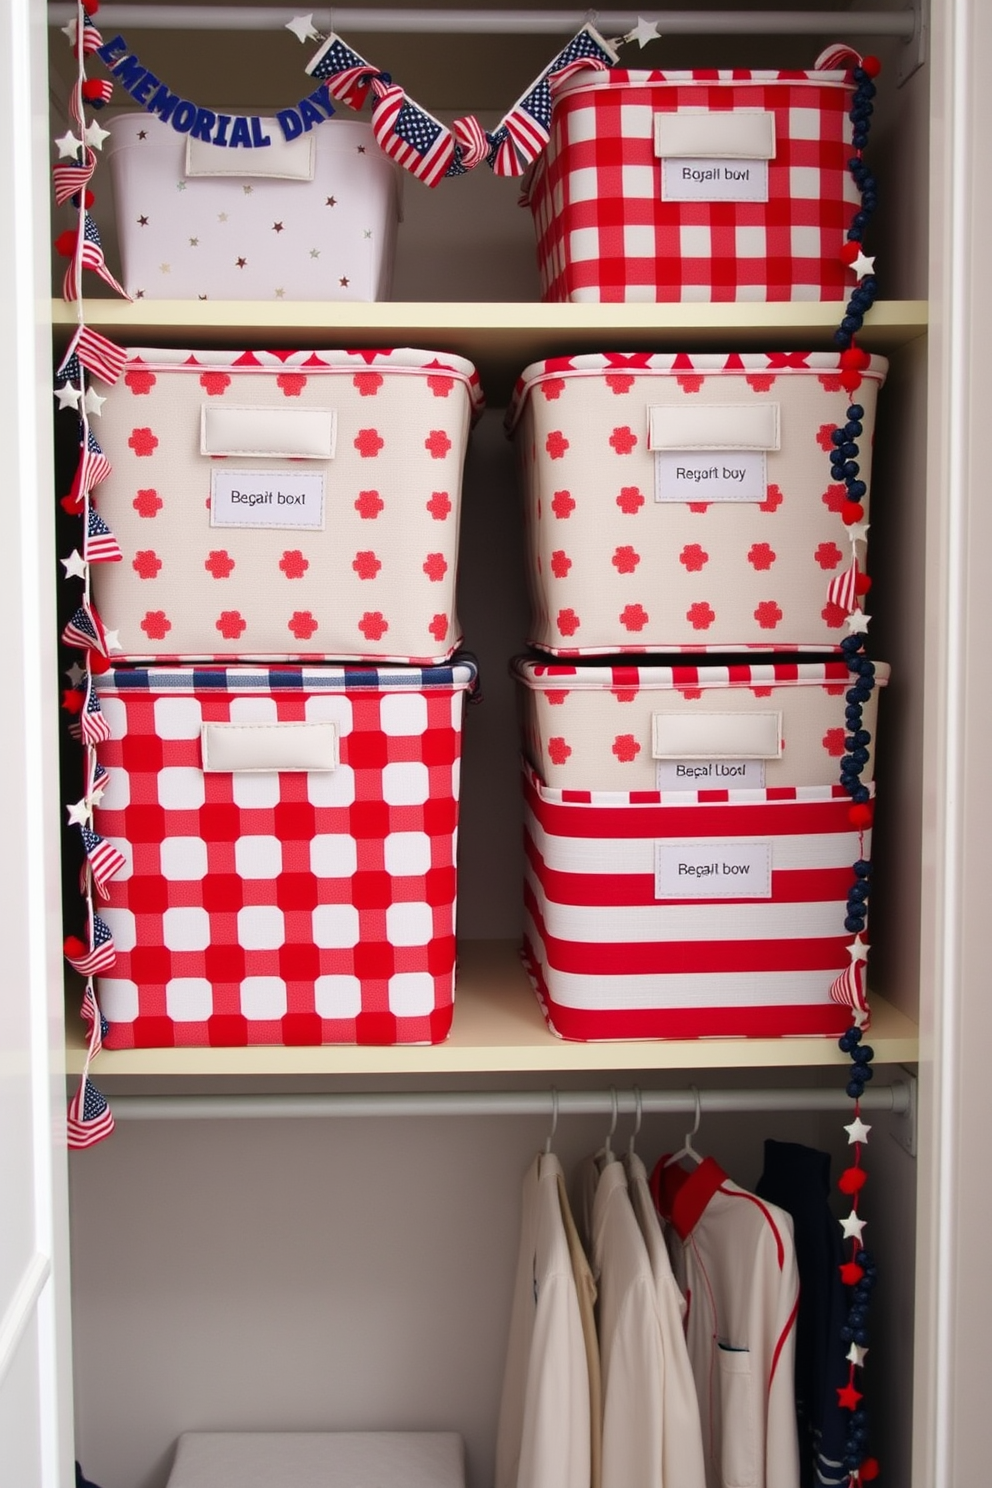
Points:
(289, 908)
(604, 234)
(610, 961)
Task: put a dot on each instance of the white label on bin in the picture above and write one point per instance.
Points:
(291, 499)
(712, 870)
(711, 775)
(714, 180)
(710, 476)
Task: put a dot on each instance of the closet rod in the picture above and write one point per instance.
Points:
(841, 23)
(896, 1098)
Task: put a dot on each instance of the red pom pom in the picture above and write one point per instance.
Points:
(853, 359)
(72, 701)
(97, 663)
(72, 504)
(65, 243)
(872, 66)
(859, 815)
(93, 88)
(73, 946)
(91, 7)
(849, 252)
(850, 381)
(850, 1273)
(852, 1180)
(851, 512)
(88, 198)
(862, 584)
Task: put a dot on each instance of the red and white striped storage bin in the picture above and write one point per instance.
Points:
(706, 185)
(647, 727)
(288, 842)
(311, 218)
(638, 923)
(678, 502)
(284, 505)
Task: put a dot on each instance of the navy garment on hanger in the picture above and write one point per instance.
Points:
(797, 1179)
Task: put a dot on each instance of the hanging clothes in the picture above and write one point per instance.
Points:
(585, 1287)
(734, 1259)
(797, 1179)
(543, 1437)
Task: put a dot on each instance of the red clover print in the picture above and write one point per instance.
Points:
(689, 382)
(439, 505)
(437, 444)
(553, 388)
(833, 498)
(825, 437)
(302, 624)
(291, 383)
(146, 563)
(293, 564)
(563, 504)
(143, 442)
(215, 384)
(625, 559)
(439, 627)
(373, 625)
(768, 614)
(556, 444)
(833, 742)
(555, 699)
(156, 625)
(231, 624)
(558, 750)
(698, 506)
(435, 567)
(369, 505)
(367, 384)
(619, 383)
(623, 440)
(219, 563)
(147, 503)
(634, 617)
(560, 563)
(761, 556)
(626, 748)
(366, 565)
(568, 622)
(440, 386)
(760, 382)
(368, 443)
(692, 557)
(834, 616)
(700, 616)
(828, 555)
(139, 381)
(630, 500)
(773, 500)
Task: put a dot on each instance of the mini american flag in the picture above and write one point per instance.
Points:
(93, 467)
(89, 252)
(91, 1015)
(72, 176)
(347, 75)
(848, 989)
(99, 776)
(90, 1119)
(85, 630)
(842, 590)
(91, 37)
(96, 353)
(104, 860)
(526, 129)
(93, 726)
(99, 543)
(100, 955)
(411, 137)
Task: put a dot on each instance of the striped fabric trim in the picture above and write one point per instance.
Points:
(554, 676)
(625, 77)
(458, 675)
(543, 798)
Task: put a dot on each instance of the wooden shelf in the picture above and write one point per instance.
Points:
(498, 1027)
(500, 338)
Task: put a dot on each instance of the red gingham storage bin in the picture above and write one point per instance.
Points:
(645, 726)
(608, 228)
(611, 958)
(289, 842)
(283, 505)
(685, 503)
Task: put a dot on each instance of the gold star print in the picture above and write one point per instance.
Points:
(165, 268)
(221, 216)
(368, 232)
(331, 201)
(194, 242)
(277, 227)
(241, 262)
(280, 294)
(344, 282)
(314, 252)
(180, 185)
(142, 221)
(247, 190)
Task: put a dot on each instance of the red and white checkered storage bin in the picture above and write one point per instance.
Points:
(288, 837)
(646, 727)
(637, 923)
(696, 186)
(312, 218)
(678, 502)
(285, 505)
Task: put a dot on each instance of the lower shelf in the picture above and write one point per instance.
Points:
(497, 1026)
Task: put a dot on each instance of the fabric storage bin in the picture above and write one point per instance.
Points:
(646, 726)
(678, 502)
(319, 1459)
(696, 186)
(288, 842)
(284, 505)
(636, 923)
(312, 218)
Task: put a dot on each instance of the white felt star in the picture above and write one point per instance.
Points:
(70, 31)
(93, 402)
(74, 565)
(858, 532)
(68, 396)
(303, 28)
(863, 265)
(852, 1227)
(857, 1131)
(860, 1017)
(858, 949)
(856, 1355)
(113, 640)
(68, 145)
(858, 622)
(79, 814)
(643, 32)
(95, 136)
(75, 673)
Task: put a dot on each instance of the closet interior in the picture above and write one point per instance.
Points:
(249, 1250)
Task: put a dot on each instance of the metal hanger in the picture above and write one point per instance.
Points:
(638, 1118)
(687, 1149)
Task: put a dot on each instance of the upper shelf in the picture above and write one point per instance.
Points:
(497, 1027)
(500, 338)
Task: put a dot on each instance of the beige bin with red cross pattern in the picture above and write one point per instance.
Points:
(284, 505)
(679, 502)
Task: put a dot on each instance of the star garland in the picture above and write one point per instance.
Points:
(90, 1119)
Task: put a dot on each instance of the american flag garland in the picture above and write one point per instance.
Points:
(89, 354)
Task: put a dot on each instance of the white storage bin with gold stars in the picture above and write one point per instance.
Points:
(313, 218)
